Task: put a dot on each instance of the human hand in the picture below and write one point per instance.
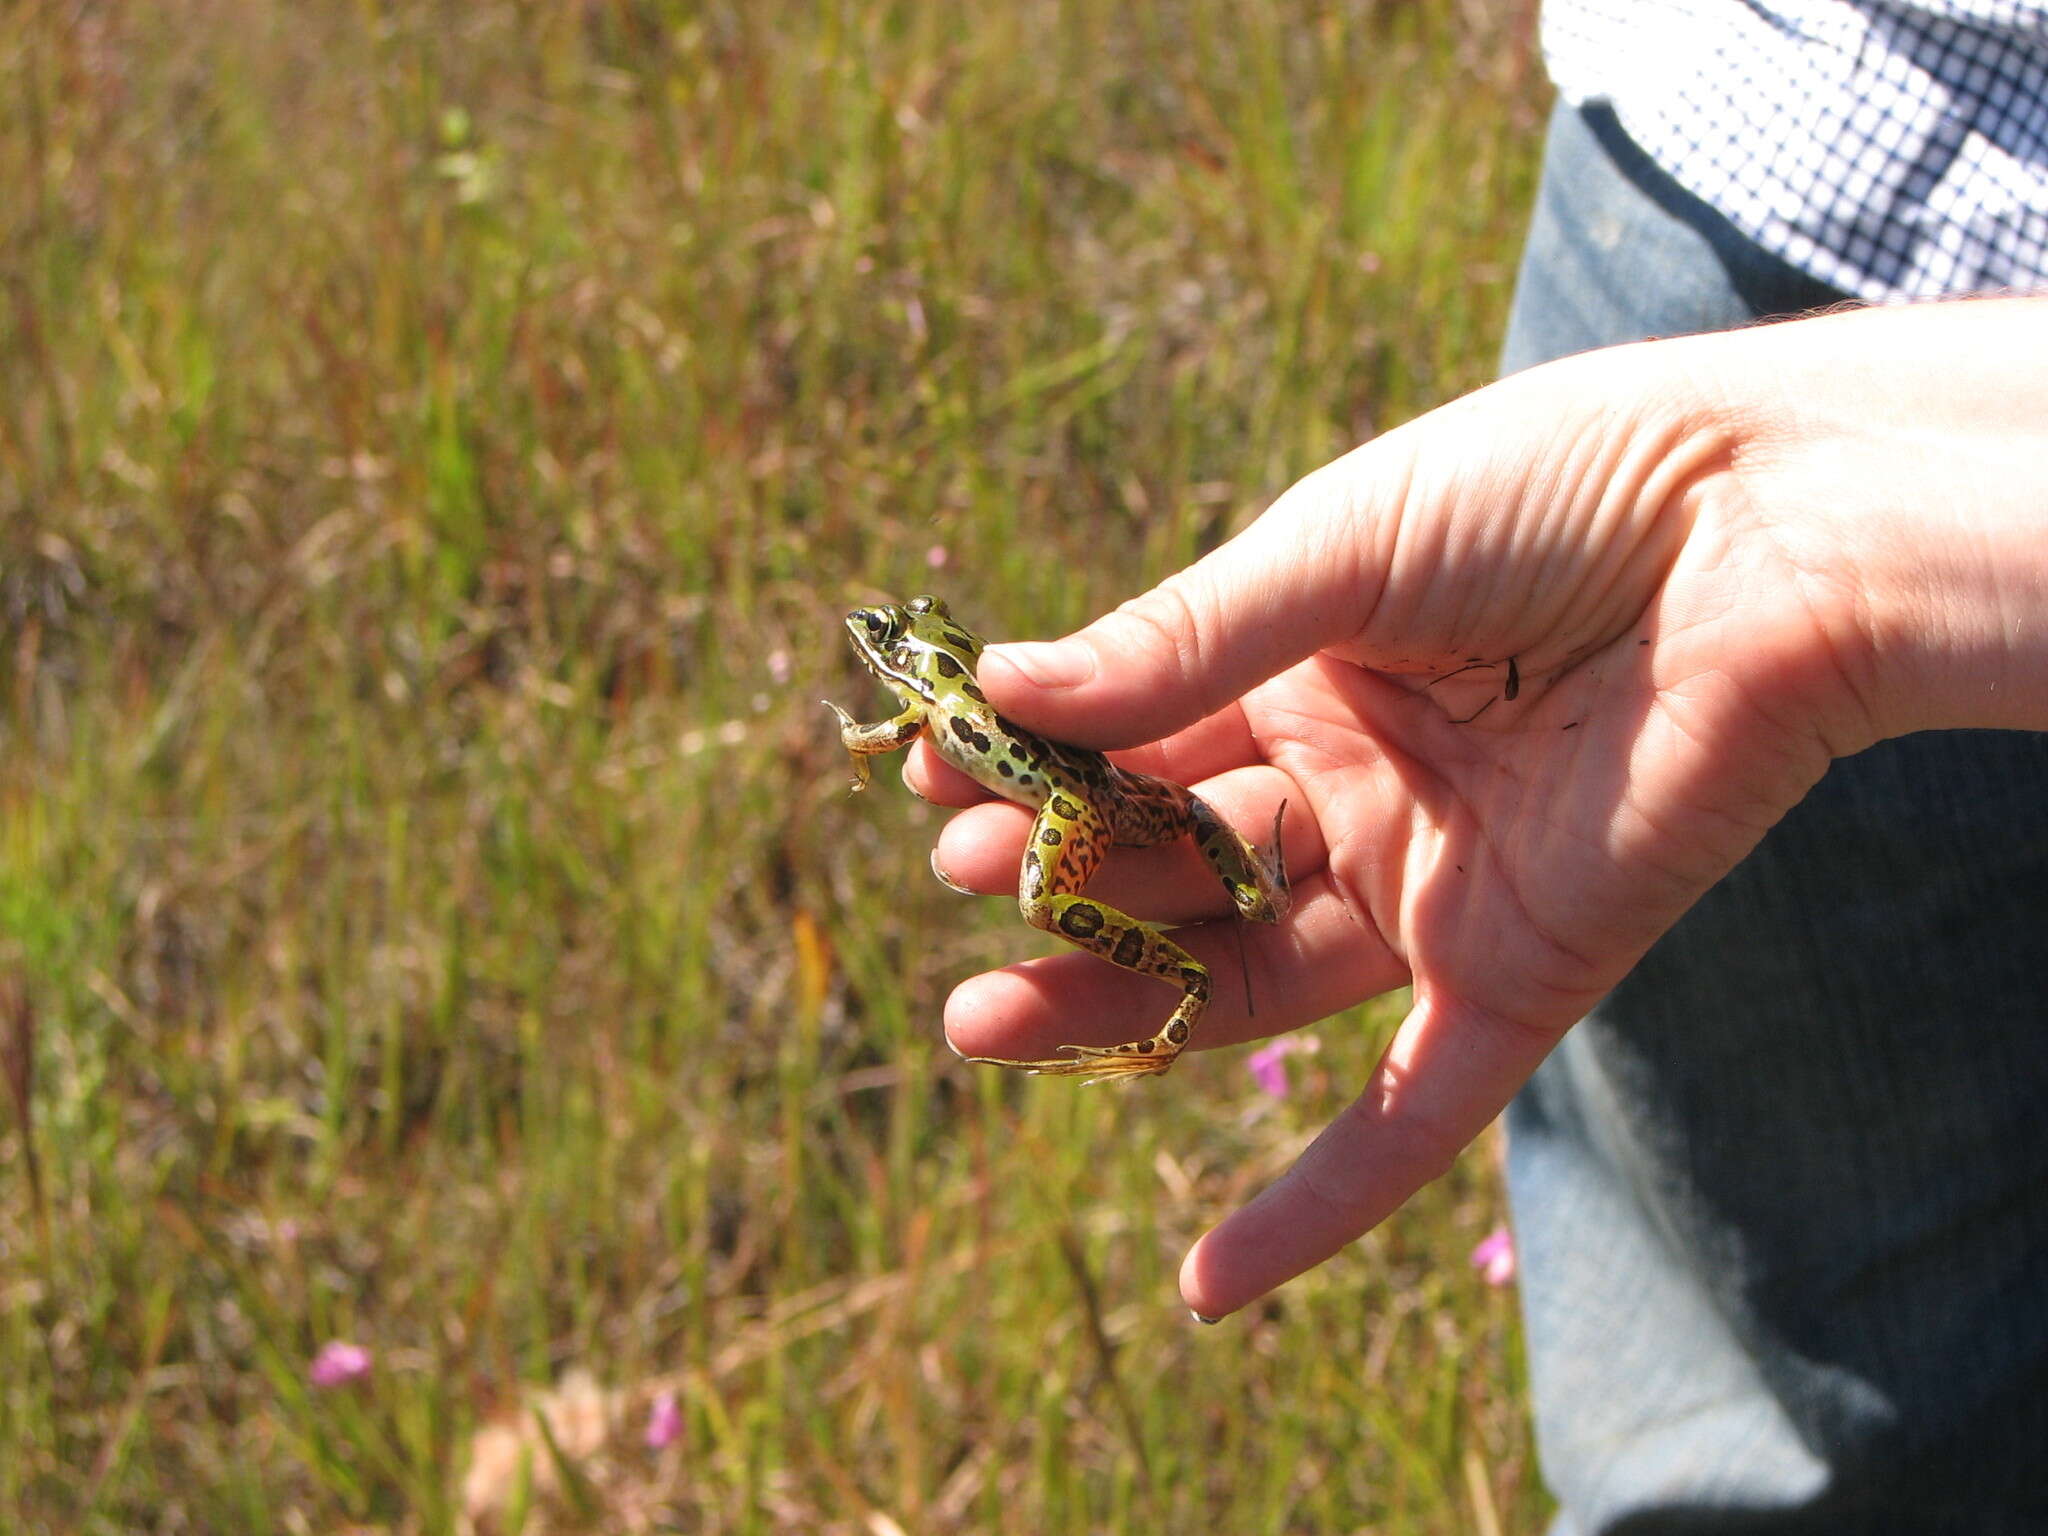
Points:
(1714, 565)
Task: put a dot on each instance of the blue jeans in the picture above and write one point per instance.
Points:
(1782, 1199)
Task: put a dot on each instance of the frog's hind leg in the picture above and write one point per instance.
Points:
(1068, 842)
(1256, 878)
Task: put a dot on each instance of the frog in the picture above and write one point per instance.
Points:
(1085, 805)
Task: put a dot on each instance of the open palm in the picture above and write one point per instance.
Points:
(1536, 690)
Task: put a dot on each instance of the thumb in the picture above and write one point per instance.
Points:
(1300, 578)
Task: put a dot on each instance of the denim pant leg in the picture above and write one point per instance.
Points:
(1782, 1199)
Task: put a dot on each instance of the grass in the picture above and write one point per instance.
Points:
(435, 444)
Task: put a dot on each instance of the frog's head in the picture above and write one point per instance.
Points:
(914, 646)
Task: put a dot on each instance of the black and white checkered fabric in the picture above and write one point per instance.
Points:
(1890, 150)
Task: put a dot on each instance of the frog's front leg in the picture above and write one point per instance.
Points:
(1068, 842)
(865, 741)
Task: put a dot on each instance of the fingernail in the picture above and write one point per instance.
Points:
(1049, 664)
(947, 880)
(1209, 1321)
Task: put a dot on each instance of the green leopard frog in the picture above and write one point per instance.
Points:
(1085, 804)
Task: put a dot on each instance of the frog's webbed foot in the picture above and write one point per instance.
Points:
(1140, 1058)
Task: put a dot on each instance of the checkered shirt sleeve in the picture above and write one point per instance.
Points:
(1890, 150)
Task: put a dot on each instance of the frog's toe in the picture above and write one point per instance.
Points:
(1146, 1058)
(1141, 1058)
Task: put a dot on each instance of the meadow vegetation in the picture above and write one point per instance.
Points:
(436, 443)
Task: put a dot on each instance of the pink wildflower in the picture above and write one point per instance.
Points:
(1494, 1258)
(664, 1421)
(1268, 1067)
(339, 1363)
(936, 557)
(1268, 1064)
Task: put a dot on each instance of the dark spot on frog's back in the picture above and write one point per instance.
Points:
(974, 693)
(1050, 836)
(947, 666)
(958, 640)
(1129, 949)
(1065, 808)
(961, 728)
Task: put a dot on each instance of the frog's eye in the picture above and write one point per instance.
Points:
(926, 604)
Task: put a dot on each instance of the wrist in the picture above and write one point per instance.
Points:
(1895, 464)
